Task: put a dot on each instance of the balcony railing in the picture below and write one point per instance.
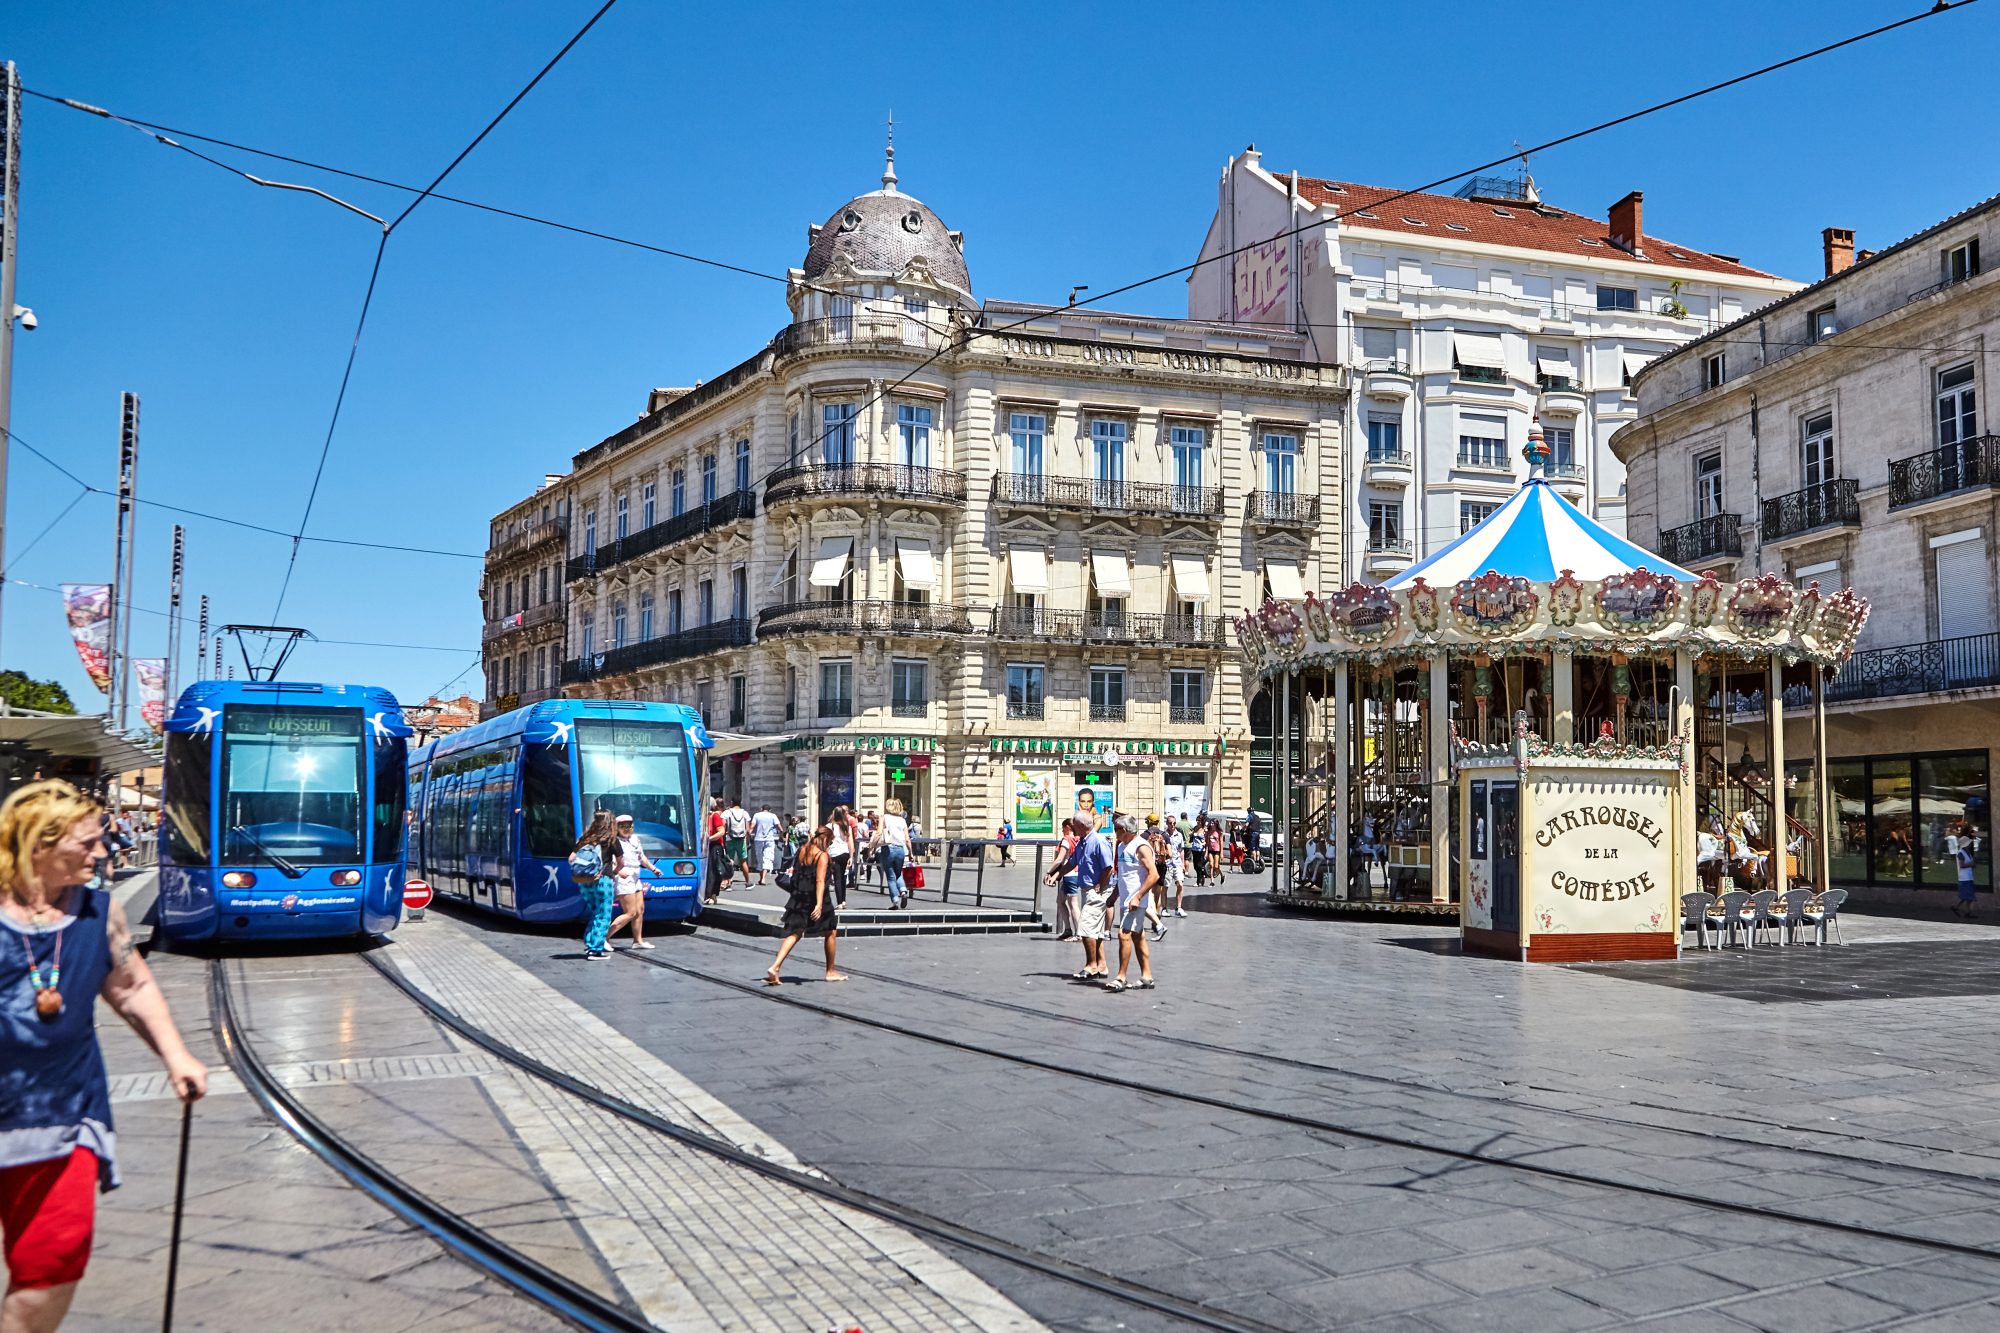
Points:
(736, 716)
(1195, 631)
(890, 324)
(1107, 712)
(1391, 457)
(910, 708)
(1563, 471)
(520, 620)
(522, 542)
(1703, 539)
(1192, 631)
(927, 618)
(652, 652)
(1028, 622)
(1389, 546)
(836, 708)
(1030, 711)
(1918, 668)
(1828, 504)
(1283, 509)
(1187, 713)
(716, 513)
(934, 484)
(1121, 497)
(1967, 465)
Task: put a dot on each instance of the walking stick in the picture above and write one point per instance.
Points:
(180, 1198)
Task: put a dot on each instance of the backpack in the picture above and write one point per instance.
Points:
(587, 862)
(737, 821)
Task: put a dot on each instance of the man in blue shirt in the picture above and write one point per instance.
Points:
(1095, 858)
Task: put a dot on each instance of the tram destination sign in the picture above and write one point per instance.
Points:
(260, 720)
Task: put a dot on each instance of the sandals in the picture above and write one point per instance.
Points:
(1085, 975)
(1145, 983)
(1116, 985)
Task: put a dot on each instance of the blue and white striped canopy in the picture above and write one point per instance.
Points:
(1536, 535)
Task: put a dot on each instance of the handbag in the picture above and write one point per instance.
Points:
(913, 877)
(784, 878)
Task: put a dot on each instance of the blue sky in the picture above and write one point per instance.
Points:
(1072, 144)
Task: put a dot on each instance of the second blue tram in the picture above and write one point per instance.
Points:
(283, 811)
(499, 806)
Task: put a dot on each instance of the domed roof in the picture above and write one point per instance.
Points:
(882, 231)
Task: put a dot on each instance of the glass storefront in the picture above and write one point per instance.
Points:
(1898, 819)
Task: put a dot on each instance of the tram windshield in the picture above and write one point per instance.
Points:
(639, 769)
(292, 780)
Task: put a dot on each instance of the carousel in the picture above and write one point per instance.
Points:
(1531, 731)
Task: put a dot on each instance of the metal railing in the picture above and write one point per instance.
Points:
(652, 652)
(1389, 546)
(935, 484)
(1196, 714)
(836, 708)
(1123, 497)
(1918, 668)
(716, 513)
(521, 542)
(1107, 712)
(1031, 622)
(520, 620)
(1391, 457)
(893, 326)
(1283, 508)
(1718, 534)
(1827, 504)
(1025, 712)
(1563, 471)
(872, 617)
(1956, 467)
(1194, 630)
(910, 708)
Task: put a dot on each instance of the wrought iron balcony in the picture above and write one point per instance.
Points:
(681, 527)
(1195, 631)
(1028, 711)
(1029, 622)
(1123, 626)
(1188, 713)
(1835, 503)
(1117, 497)
(1389, 546)
(1703, 539)
(1968, 465)
(836, 707)
(1107, 712)
(1918, 668)
(1283, 509)
(522, 542)
(910, 708)
(520, 620)
(933, 484)
(652, 652)
(909, 618)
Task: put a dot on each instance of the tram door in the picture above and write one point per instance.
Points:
(1507, 856)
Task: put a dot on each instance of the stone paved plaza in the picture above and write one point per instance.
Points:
(1276, 1166)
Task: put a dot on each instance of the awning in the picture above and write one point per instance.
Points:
(785, 569)
(831, 567)
(914, 559)
(1113, 576)
(1479, 349)
(1559, 364)
(734, 742)
(1286, 585)
(1030, 570)
(1638, 361)
(77, 736)
(1190, 578)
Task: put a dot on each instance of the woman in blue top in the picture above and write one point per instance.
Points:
(62, 944)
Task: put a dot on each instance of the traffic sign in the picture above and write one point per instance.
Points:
(416, 895)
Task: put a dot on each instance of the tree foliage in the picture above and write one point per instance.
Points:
(46, 696)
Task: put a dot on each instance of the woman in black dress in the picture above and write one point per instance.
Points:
(809, 911)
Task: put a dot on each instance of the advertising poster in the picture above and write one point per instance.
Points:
(88, 606)
(1096, 796)
(1602, 855)
(1034, 802)
(1186, 799)
(152, 674)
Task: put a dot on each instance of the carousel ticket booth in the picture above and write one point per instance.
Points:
(1513, 733)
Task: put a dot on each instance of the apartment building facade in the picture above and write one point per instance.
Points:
(978, 557)
(1836, 437)
(1463, 318)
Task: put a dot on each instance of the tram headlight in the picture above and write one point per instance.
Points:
(344, 878)
(684, 867)
(240, 879)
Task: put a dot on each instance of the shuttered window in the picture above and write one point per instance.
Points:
(1964, 589)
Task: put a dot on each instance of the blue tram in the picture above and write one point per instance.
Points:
(283, 811)
(499, 806)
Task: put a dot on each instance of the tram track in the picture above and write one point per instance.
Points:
(1338, 1131)
(577, 1304)
(1124, 1032)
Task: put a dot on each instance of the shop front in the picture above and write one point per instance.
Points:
(863, 771)
(1050, 779)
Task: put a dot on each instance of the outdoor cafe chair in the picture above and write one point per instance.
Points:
(1791, 914)
(1729, 915)
(1697, 915)
(1824, 911)
(1758, 913)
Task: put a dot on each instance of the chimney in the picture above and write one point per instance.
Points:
(1839, 243)
(1627, 227)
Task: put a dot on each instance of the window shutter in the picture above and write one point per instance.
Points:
(1964, 590)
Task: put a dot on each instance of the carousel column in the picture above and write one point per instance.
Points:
(1685, 880)
(1774, 720)
(1343, 748)
(1565, 697)
(1822, 785)
(1281, 817)
(1438, 761)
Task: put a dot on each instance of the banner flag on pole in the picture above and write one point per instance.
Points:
(152, 673)
(89, 609)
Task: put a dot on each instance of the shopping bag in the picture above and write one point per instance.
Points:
(913, 877)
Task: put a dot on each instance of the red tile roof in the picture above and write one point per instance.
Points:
(1515, 224)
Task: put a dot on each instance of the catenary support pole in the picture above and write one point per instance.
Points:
(10, 224)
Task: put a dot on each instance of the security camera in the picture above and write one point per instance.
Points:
(25, 315)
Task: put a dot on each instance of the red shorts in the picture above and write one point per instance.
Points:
(48, 1210)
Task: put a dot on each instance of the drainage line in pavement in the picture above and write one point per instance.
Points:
(1307, 1122)
(539, 1283)
(1311, 1066)
(1191, 1311)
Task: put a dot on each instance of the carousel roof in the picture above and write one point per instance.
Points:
(1536, 535)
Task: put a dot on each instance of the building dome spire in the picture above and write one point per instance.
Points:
(889, 171)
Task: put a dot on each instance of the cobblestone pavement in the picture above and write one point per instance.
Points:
(1877, 1112)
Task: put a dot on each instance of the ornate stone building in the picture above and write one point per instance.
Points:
(977, 556)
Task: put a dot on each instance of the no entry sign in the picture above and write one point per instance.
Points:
(416, 895)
